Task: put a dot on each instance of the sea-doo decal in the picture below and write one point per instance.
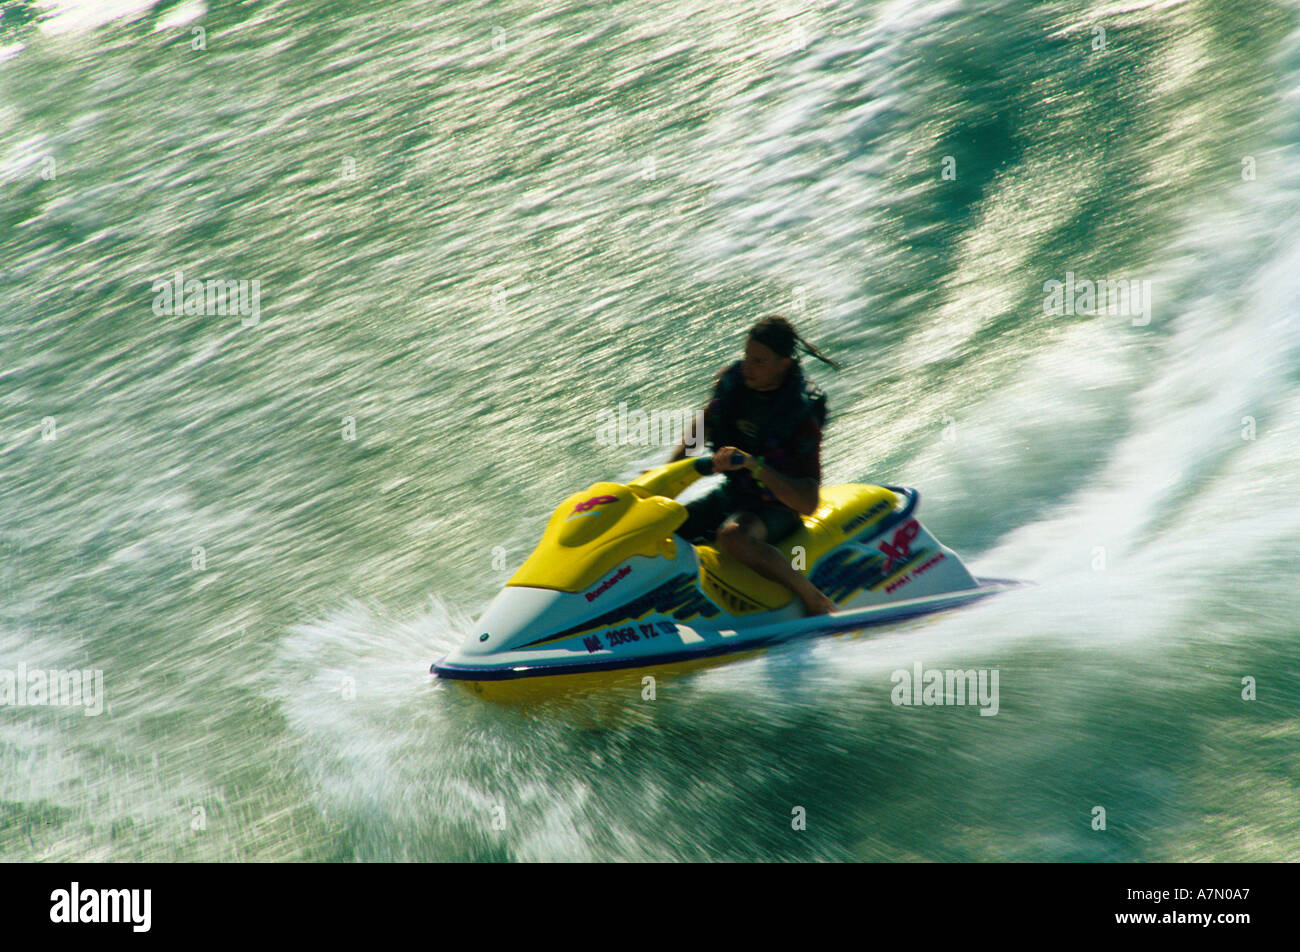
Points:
(679, 597)
(587, 505)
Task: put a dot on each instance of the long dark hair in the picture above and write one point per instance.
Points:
(779, 334)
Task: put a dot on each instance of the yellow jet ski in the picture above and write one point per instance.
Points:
(611, 587)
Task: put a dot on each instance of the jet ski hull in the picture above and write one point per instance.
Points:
(709, 645)
(610, 587)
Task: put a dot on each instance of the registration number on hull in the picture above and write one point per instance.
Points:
(614, 637)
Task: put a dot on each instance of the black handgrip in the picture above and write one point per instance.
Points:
(704, 464)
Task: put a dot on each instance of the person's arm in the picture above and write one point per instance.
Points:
(798, 490)
(800, 494)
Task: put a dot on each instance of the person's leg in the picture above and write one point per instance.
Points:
(705, 514)
(743, 538)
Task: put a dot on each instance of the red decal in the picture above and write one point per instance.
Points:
(592, 503)
(927, 564)
(901, 546)
(604, 586)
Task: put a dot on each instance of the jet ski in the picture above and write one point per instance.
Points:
(611, 587)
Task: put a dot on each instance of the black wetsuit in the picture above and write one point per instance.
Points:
(783, 426)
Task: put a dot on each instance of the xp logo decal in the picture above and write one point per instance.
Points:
(897, 550)
(586, 506)
(852, 568)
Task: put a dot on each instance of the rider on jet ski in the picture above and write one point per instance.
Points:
(766, 410)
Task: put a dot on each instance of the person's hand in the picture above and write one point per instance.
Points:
(722, 459)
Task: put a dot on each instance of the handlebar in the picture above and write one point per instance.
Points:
(704, 464)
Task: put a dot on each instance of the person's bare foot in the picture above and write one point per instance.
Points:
(820, 606)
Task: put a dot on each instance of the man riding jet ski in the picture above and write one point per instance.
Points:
(619, 581)
(764, 424)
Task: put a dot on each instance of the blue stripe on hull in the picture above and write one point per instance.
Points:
(463, 673)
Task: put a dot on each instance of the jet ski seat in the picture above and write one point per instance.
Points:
(844, 511)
